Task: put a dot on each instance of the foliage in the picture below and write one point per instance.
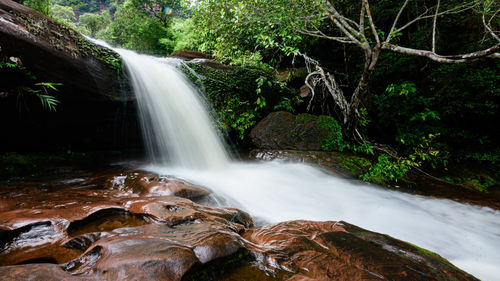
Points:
(136, 31)
(95, 22)
(62, 12)
(25, 82)
(237, 97)
(42, 6)
(161, 10)
(387, 170)
(288, 104)
(236, 32)
(185, 35)
(86, 6)
(334, 140)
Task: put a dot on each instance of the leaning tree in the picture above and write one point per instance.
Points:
(283, 23)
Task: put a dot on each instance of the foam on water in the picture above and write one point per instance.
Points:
(466, 235)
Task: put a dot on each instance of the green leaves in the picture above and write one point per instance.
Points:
(387, 170)
(48, 102)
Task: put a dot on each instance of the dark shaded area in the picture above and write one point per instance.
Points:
(96, 109)
(106, 220)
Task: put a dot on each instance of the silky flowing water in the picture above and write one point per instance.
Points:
(182, 142)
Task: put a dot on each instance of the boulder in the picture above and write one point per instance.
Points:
(283, 130)
(96, 104)
(58, 53)
(340, 251)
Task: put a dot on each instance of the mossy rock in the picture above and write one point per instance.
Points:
(283, 130)
(54, 52)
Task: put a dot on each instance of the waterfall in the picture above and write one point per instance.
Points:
(182, 142)
(177, 129)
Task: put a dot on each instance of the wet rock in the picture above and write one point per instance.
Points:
(112, 228)
(157, 251)
(282, 130)
(201, 58)
(90, 77)
(46, 272)
(84, 241)
(190, 55)
(30, 37)
(340, 251)
(153, 185)
(339, 163)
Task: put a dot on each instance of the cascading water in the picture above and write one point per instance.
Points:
(177, 128)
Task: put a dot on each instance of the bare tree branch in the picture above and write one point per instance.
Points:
(362, 19)
(343, 25)
(490, 52)
(425, 14)
(328, 80)
(391, 32)
(488, 25)
(372, 25)
(320, 34)
(434, 28)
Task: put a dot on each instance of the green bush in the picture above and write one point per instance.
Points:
(386, 170)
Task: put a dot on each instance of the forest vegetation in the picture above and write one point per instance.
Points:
(413, 84)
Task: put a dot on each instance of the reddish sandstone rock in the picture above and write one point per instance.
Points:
(118, 227)
(340, 251)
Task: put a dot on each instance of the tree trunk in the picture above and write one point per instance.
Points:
(352, 120)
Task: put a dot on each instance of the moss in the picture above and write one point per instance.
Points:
(355, 164)
(65, 38)
(304, 118)
(480, 181)
(429, 254)
(103, 54)
(334, 139)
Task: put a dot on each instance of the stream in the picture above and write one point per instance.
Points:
(182, 142)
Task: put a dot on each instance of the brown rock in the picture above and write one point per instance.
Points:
(60, 54)
(282, 130)
(45, 272)
(340, 251)
(90, 77)
(105, 229)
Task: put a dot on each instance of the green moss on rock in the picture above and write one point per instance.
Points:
(282, 130)
(355, 164)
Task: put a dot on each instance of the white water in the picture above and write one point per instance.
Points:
(177, 129)
(180, 137)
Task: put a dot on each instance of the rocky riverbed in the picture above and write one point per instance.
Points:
(125, 224)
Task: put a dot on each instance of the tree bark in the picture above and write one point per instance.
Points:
(351, 122)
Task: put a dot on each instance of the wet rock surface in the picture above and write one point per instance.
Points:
(283, 130)
(340, 251)
(57, 52)
(138, 226)
(92, 89)
(338, 163)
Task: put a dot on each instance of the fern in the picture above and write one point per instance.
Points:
(48, 102)
(49, 85)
